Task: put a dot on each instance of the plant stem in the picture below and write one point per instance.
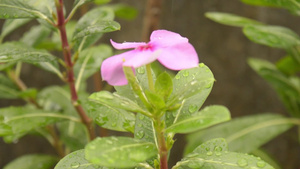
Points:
(162, 146)
(150, 77)
(69, 66)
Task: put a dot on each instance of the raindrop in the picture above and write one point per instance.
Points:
(193, 108)
(177, 76)
(75, 164)
(140, 125)
(140, 134)
(5, 15)
(201, 65)
(261, 164)
(186, 73)
(101, 120)
(218, 148)
(207, 149)
(141, 70)
(193, 82)
(242, 162)
(218, 153)
(209, 153)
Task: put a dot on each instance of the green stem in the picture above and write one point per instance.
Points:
(150, 77)
(137, 89)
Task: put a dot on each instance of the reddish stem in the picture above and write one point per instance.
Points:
(69, 66)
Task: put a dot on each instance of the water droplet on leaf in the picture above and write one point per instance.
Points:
(141, 70)
(209, 153)
(186, 73)
(201, 65)
(75, 164)
(193, 108)
(242, 162)
(177, 76)
(195, 164)
(261, 164)
(140, 134)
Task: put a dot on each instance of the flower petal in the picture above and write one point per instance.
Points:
(178, 57)
(163, 38)
(127, 45)
(112, 69)
(142, 57)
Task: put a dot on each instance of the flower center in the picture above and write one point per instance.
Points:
(145, 47)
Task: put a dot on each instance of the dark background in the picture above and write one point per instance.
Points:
(224, 49)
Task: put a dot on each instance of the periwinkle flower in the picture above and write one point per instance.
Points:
(169, 48)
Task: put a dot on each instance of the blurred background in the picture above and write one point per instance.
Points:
(222, 48)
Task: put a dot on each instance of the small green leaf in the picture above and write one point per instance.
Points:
(125, 11)
(214, 154)
(207, 117)
(91, 20)
(287, 87)
(231, 19)
(35, 35)
(89, 62)
(76, 160)
(116, 101)
(111, 117)
(253, 131)
(13, 51)
(81, 2)
(101, 2)
(164, 85)
(119, 152)
(273, 36)
(291, 5)
(288, 65)
(12, 24)
(97, 28)
(24, 119)
(198, 83)
(8, 90)
(26, 9)
(155, 100)
(36, 161)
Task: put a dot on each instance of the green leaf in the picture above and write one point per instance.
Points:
(207, 117)
(124, 11)
(35, 35)
(24, 119)
(81, 2)
(89, 62)
(36, 161)
(111, 117)
(225, 160)
(214, 154)
(288, 65)
(164, 85)
(291, 5)
(191, 88)
(273, 36)
(8, 90)
(253, 131)
(12, 24)
(96, 28)
(119, 152)
(14, 51)
(76, 160)
(26, 9)
(115, 101)
(91, 20)
(101, 2)
(156, 101)
(56, 98)
(287, 87)
(231, 19)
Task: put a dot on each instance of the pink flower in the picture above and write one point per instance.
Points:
(169, 48)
